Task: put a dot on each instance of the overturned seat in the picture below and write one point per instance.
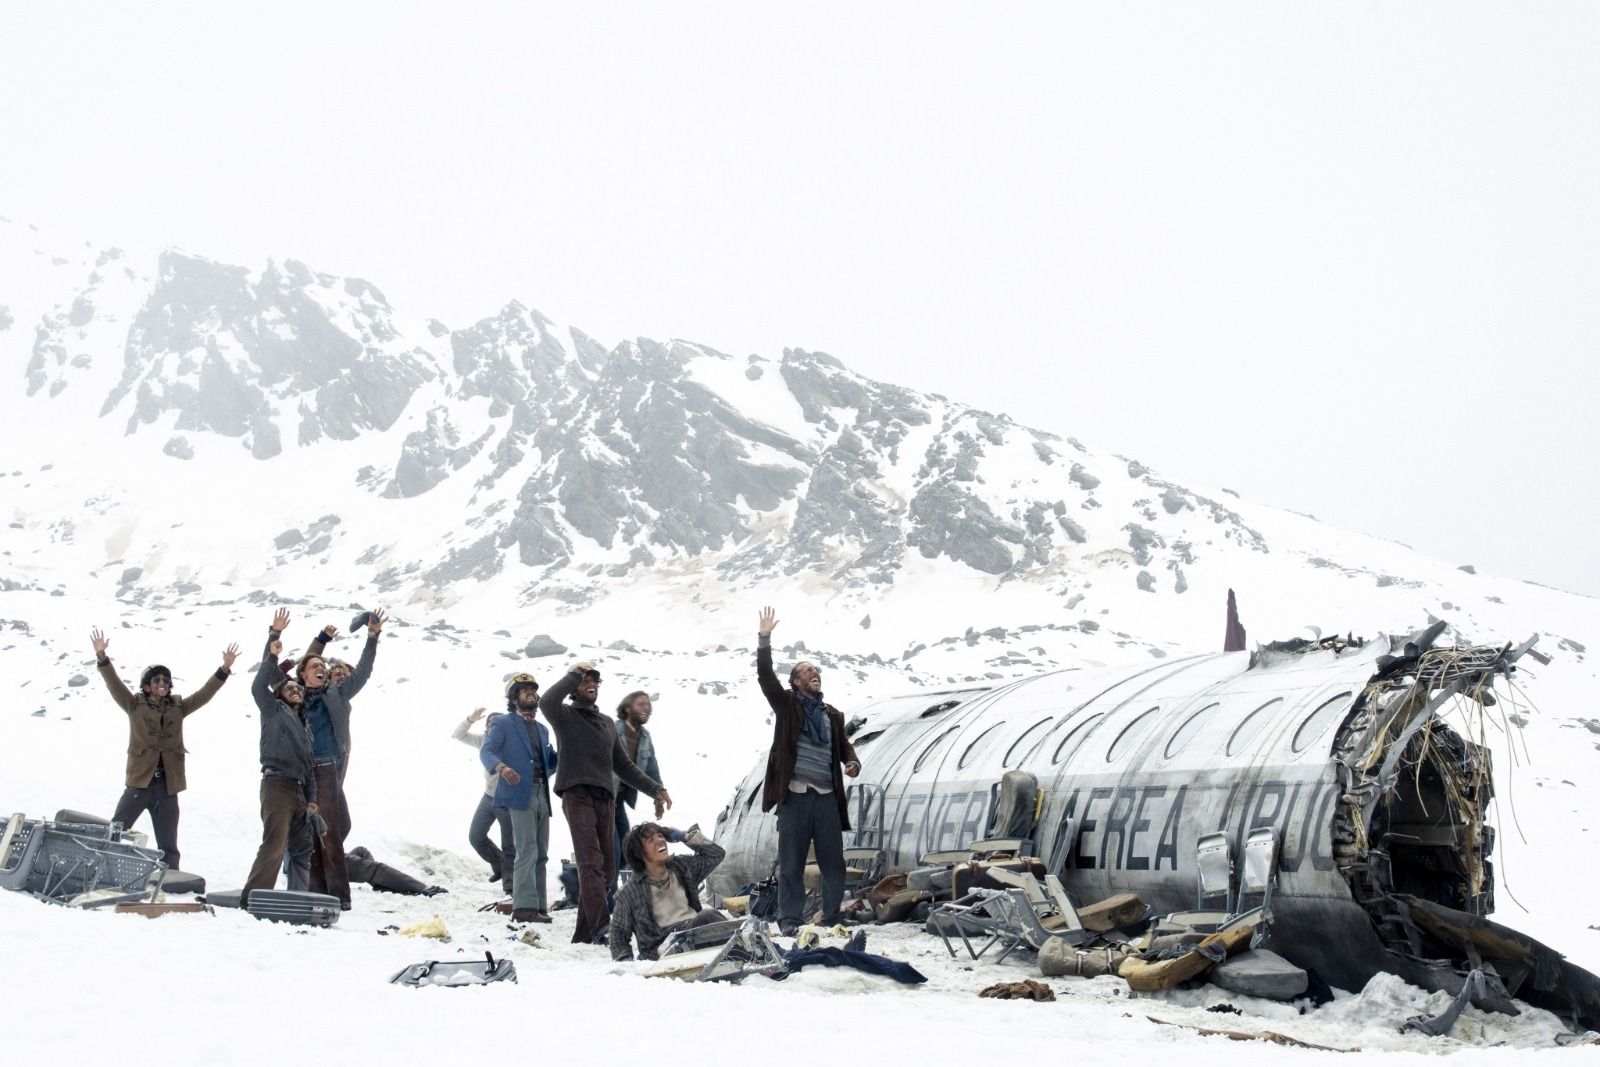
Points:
(727, 951)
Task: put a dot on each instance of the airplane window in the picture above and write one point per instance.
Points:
(1016, 753)
(755, 791)
(938, 743)
(1131, 733)
(980, 743)
(1070, 743)
(1246, 731)
(938, 709)
(1318, 721)
(1186, 731)
(870, 735)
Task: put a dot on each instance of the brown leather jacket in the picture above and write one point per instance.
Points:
(155, 731)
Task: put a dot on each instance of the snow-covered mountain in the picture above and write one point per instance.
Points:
(187, 444)
(521, 464)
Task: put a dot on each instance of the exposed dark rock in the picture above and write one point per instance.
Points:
(1146, 582)
(130, 575)
(178, 448)
(543, 645)
(287, 539)
(1467, 568)
(77, 680)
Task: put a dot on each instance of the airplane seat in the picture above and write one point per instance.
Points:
(1015, 806)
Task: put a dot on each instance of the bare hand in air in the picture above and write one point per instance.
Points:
(100, 641)
(769, 620)
(229, 654)
(280, 620)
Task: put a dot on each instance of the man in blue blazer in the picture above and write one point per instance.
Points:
(518, 749)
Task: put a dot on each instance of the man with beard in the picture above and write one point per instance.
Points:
(327, 712)
(517, 749)
(591, 753)
(154, 775)
(634, 711)
(803, 781)
(288, 778)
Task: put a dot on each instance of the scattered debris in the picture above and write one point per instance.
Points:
(1027, 989)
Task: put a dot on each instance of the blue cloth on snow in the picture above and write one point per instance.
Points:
(903, 973)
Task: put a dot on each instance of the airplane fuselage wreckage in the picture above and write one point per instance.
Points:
(1338, 747)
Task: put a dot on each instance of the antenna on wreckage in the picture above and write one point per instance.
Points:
(1233, 637)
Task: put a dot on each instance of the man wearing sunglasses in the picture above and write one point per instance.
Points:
(591, 753)
(155, 770)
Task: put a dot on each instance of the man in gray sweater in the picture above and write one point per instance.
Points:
(591, 753)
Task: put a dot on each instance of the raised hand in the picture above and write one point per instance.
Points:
(276, 648)
(280, 620)
(100, 641)
(329, 632)
(477, 713)
(229, 654)
(769, 620)
(375, 621)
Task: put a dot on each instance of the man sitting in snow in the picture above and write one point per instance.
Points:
(664, 893)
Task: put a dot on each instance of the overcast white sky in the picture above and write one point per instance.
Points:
(1342, 258)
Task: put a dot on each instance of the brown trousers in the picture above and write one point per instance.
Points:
(328, 872)
(283, 824)
(591, 818)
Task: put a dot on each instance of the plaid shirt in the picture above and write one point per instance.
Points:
(634, 917)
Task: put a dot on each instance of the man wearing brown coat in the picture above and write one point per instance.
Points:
(155, 771)
(803, 781)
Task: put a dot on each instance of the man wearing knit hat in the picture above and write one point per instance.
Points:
(517, 748)
(155, 770)
(803, 781)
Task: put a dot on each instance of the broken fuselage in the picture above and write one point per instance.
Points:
(1340, 746)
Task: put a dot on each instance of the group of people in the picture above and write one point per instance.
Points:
(597, 765)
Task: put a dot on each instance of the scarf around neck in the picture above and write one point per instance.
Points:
(816, 724)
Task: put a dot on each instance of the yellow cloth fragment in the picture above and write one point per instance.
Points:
(810, 935)
(433, 928)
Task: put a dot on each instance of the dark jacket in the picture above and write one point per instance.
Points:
(507, 742)
(646, 762)
(787, 719)
(336, 698)
(155, 731)
(633, 915)
(591, 751)
(285, 737)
